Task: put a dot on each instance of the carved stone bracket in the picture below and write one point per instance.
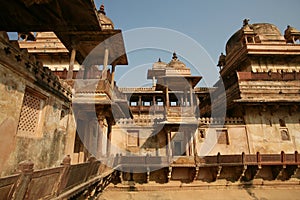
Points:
(243, 172)
(196, 173)
(219, 170)
(169, 174)
(148, 174)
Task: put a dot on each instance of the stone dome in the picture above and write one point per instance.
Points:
(266, 29)
(176, 63)
(159, 65)
(262, 31)
(106, 22)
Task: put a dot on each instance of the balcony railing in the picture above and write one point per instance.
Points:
(179, 111)
(142, 160)
(89, 88)
(61, 182)
(155, 108)
(217, 160)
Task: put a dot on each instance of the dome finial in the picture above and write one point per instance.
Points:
(222, 61)
(174, 56)
(102, 9)
(246, 22)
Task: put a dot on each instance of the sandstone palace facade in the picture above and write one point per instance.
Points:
(59, 97)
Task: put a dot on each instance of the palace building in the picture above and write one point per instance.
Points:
(64, 118)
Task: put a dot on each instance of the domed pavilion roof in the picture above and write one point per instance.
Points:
(106, 22)
(159, 64)
(264, 32)
(176, 63)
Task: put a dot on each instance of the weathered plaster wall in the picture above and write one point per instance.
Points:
(237, 141)
(264, 130)
(156, 145)
(46, 148)
(12, 91)
(146, 144)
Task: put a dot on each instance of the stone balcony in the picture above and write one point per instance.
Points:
(93, 90)
(151, 109)
(180, 111)
(98, 92)
(180, 114)
(183, 161)
(90, 90)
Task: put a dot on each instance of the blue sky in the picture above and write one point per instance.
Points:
(209, 23)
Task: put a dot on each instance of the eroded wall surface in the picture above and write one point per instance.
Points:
(273, 131)
(35, 123)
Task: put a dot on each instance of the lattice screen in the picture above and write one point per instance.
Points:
(30, 114)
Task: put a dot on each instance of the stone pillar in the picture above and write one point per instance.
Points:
(99, 138)
(140, 100)
(113, 69)
(192, 145)
(191, 97)
(181, 100)
(70, 125)
(92, 134)
(187, 146)
(139, 106)
(185, 98)
(26, 168)
(153, 99)
(157, 147)
(153, 81)
(71, 65)
(167, 97)
(169, 143)
(105, 63)
(108, 150)
(197, 102)
(195, 142)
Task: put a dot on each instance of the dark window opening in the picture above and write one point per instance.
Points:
(202, 134)
(222, 137)
(282, 123)
(285, 134)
